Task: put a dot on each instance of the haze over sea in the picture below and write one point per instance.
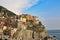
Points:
(54, 33)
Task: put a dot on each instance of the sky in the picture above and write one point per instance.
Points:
(47, 10)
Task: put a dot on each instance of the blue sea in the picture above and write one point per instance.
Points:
(54, 33)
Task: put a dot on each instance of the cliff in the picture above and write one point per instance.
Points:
(22, 27)
(30, 28)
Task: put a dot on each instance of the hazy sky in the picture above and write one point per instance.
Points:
(47, 10)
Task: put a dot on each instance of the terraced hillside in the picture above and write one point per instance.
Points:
(6, 11)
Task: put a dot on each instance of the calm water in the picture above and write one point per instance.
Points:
(55, 33)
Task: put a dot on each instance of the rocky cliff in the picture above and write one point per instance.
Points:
(25, 26)
(30, 28)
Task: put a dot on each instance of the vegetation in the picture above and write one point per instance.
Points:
(36, 27)
(9, 13)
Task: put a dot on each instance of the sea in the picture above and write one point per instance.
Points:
(54, 33)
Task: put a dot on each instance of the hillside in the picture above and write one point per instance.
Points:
(9, 13)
